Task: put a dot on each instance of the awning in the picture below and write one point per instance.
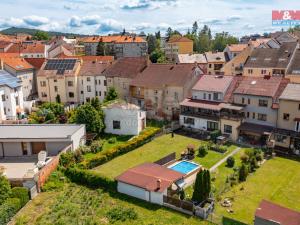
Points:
(232, 107)
(255, 128)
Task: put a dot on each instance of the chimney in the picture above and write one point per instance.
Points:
(158, 183)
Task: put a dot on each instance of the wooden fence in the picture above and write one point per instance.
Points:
(166, 159)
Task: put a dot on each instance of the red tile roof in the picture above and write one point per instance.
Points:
(105, 58)
(160, 75)
(258, 86)
(113, 38)
(127, 67)
(4, 44)
(18, 64)
(92, 68)
(213, 83)
(237, 47)
(36, 62)
(27, 48)
(146, 176)
(276, 213)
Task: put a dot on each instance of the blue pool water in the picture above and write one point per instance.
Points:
(184, 167)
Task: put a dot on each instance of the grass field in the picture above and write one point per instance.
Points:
(278, 180)
(80, 205)
(155, 150)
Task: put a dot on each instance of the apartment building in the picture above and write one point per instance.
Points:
(178, 45)
(270, 61)
(119, 45)
(215, 61)
(210, 109)
(11, 97)
(259, 96)
(293, 71)
(33, 49)
(287, 134)
(92, 83)
(121, 73)
(21, 69)
(160, 88)
(58, 79)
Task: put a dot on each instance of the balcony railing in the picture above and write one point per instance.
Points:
(207, 115)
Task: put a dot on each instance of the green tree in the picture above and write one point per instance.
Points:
(230, 162)
(169, 33)
(157, 35)
(152, 43)
(221, 40)
(202, 186)
(41, 36)
(101, 48)
(195, 28)
(243, 172)
(111, 95)
(56, 108)
(88, 115)
(95, 102)
(5, 188)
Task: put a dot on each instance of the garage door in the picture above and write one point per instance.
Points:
(37, 147)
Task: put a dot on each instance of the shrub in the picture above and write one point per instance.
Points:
(112, 140)
(120, 149)
(78, 156)
(230, 162)
(244, 158)
(67, 159)
(5, 189)
(249, 152)
(20, 193)
(121, 214)
(253, 164)
(90, 178)
(84, 149)
(202, 151)
(8, 209)
(96, 146)
(219, 148)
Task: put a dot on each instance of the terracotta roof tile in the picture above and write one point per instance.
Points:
(146, 176)
(127, 67)
(237, 47)
(213, 83)
(92, 68)
(113, 38)
(276, 213)
(36, 62)
(27, 48)
(18, 64)
(213, 57)
(160, 75)
(106, 58)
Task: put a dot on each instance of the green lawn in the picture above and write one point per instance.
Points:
(155, 150)
(278, 180)
(76, 204)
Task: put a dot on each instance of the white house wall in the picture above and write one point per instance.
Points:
(133, 191)
(157, 197)
(12, 149)
(200, 123)
(77, 137)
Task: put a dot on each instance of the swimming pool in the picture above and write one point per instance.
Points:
(184, 167)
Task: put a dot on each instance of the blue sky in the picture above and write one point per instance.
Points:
(238, 17)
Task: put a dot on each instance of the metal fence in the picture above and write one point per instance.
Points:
(166, 159)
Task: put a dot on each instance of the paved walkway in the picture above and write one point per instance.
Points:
(214, 167)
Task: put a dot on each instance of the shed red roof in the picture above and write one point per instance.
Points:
(146, 176)
(276, 213)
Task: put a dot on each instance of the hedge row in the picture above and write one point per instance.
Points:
(90, 178)
(8, 209)
(105, 156)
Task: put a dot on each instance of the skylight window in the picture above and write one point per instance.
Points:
(253, 82)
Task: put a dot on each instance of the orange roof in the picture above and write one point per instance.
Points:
(17, 63)
(36, 62)
(9, 55)
(237, 47)
(116, 39)
(179, 39)
(105, 58)
(27, 48)
(259, 41)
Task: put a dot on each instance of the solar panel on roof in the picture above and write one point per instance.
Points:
(60, 64)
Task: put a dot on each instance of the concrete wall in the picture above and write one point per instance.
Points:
(235, 131)
(97, 90)
(291, 108)
(253, 107)
(202, 94)
(129, 120)
(78, 138)
(200, 123)
(133, 191)
(157, 197)
(53, 148)
(121, 85)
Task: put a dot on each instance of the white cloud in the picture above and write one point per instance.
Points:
(35, 20)
(110, 25)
